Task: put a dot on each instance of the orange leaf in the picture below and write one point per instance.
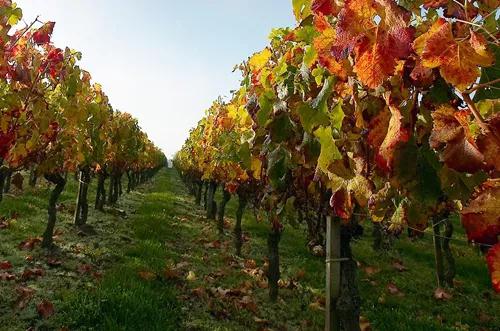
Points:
(457, 60)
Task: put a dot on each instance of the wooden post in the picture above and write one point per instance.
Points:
(332, 321)
(438, 252)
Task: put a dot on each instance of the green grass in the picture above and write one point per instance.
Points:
(165, 228)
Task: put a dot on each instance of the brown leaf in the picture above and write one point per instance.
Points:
(147, 275)
(394, 290)
(29, 243)
(398, 265)
(32, 273)
(85, 268)
(213, 244)
(441, 294)
(7, 276)
(370, 270)
(25, 294)
(364, 324)
(250, 264)
(5, 265)
(200, 292)
(45, 309)
(300, 274)
(171, 274)
(53, 262)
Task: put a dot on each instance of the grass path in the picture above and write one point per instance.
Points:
(165, 268)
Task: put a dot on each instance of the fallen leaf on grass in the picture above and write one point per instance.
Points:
(247, 303)
(171, 273)
(371, 270)
(398, 265)
(85, 268)
(147, 275)
(300, 274)
(191, 276)
(45, 309)
(25, 294)
(4, 224)
(5, 265)
(53, 262)
(441, 294)
(214, 244)
(32, 273)
(364, 324)
(7, 276)
(250, 264)
(29, 243)
(200, 292)
(394, 290)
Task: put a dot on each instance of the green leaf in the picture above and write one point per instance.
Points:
(301, 9)
(306, 34)
(312, 118)
(245, 155)
(337, 116)
(488, 108)
(281, 128)
(277, 168)
(329, 151)
(266, 106)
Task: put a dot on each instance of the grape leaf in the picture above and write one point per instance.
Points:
(481, 217)
(43, 34)
(452, 137)
(457, 59)
(329, 151)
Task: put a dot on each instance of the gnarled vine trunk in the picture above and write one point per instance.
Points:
(8, 178)
(59, 182)
(82, 205)
(100, 199)
(273, 272)
(226, 196)
(211, 204)
(238, 239)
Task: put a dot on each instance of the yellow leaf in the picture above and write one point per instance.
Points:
(259, 60)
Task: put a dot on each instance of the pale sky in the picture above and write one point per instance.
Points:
(163, 61)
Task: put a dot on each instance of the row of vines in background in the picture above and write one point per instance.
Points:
(55, 121)
(368, 110)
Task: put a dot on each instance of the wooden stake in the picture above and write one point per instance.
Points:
(332, 322)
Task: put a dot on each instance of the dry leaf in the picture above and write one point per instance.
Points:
(45, 309)
(441, 294)
(191, 276)
(5, 265)
(147, 275)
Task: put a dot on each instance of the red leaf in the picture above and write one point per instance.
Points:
(29, 243)
(481, 217)
(5, 265)
(493, 259)
(42, 35)
(32, 273)
(45, 309)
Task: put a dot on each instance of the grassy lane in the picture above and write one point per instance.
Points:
(165, 268)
